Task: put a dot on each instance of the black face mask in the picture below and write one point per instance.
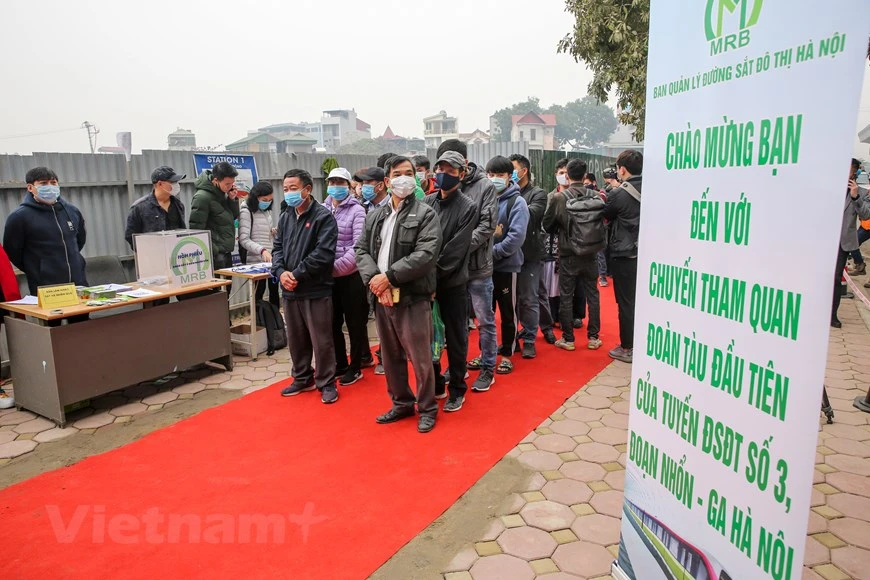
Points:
(446, 182)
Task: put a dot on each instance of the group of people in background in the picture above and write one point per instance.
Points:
(391, 241)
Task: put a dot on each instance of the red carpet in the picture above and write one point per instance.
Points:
(346, 493)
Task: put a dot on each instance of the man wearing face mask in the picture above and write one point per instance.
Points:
(373, 189)
(159, 211)
(424, 174)
(45, 235)
(458, 216)
(302, 259)
(397, 256)
(214, 208)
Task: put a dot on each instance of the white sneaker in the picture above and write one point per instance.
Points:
(595, 343)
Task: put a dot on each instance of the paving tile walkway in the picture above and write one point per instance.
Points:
(565, 524)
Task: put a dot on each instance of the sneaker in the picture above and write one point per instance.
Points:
(341, 371)
(453, 404)
(471, 324)
(297, 388)
(350, 377)
(367, 362)
(859, 270)
(439, 394)
(623, 354)
(564, 344)
(529, 350)
(578, 323)
(379, 369)
(446, 376)
(484, 381)
(602, 281)
(595, 343)
(329, 395)
(550, 336)
(425, 423)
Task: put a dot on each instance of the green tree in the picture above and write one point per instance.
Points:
(584, 122)
(501, 128)
(612, 37)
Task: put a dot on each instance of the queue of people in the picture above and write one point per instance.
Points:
(390, 240)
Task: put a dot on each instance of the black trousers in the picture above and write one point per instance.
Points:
(624, 272)
(350, 306)
(504, 297)
(842, 257)
(453, 303)
(582, 270)
(272, 284)
(220, 261)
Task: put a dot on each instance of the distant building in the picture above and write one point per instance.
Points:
(297, 143)
(182, 140)
(538, 130)
(341, 127)
(404, 145)
(438, 128)
(255, 142)
(476, 137)
(313, 130)
(622, 139)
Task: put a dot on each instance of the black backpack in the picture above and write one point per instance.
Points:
(586, 223)
(269, 317)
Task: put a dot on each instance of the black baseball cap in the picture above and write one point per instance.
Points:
(164, 173)
(371, 174)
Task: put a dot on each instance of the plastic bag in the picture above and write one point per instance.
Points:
(438, 340)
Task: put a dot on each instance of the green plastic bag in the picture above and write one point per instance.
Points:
(438, 341)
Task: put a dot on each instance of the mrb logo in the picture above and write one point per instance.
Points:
(190, 260)
(748, 12)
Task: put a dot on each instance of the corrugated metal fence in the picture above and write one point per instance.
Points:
(544, 166)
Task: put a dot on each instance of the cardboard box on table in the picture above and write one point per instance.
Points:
(183, 257)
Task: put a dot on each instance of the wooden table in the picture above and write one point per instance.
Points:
(55, 366)
(230, 273)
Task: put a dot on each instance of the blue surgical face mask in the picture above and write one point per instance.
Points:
(338, 192)
(515, 177)
(368, 192)
(264, 205)
(293, 198)
(499, 183)
(48, 193)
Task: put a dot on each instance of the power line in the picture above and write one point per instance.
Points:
(23, 135)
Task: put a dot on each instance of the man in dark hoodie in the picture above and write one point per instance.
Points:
(458, 216)
(45, 235)
(481, 191)
(214, 210)
(623, 211)
(302, 260)
(528, 280)
(579, 242)
(397, 256)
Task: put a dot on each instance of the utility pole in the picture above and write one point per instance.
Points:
(93, 131)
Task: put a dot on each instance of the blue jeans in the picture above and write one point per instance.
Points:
(863, 236)
(602, 264)
(481, 299)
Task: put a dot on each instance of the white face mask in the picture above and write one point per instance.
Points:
(562, 179)
(176, 189)
(421, 175)
(403, 186)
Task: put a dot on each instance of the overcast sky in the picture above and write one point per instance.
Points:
(220, 68)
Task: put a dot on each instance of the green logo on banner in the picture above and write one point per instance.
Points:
(749, 12)
(190, 259)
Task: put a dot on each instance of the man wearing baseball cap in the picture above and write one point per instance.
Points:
(159, 211)
(373, 190)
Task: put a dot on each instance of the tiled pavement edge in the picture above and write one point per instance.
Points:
(565, 525)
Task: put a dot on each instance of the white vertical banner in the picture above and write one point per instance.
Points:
(750, 119)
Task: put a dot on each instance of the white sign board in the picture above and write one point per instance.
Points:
(751, 110)
(183, 257)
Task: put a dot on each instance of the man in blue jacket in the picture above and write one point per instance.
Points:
(45, 235)
(507, 253)
(302, 260)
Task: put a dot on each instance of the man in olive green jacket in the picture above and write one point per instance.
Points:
(213, 210)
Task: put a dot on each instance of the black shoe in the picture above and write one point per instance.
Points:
(484, 381)
(836, 324)
(578, 323)
(425, 423)
(453, 404)
(297, 388)
(848, 296)
(349, 377)
(367, 362)
(440, 393)
(529, 350)
(341, 371)
(392, 416)
(329, 395)
(550, 337)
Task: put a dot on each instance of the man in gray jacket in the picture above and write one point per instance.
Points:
(857, 205)
(397, 255)
(480, 189)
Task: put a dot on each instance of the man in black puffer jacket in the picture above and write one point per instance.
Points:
(623, 211)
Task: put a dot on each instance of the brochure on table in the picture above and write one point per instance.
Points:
(750, 119)
(178, 257)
